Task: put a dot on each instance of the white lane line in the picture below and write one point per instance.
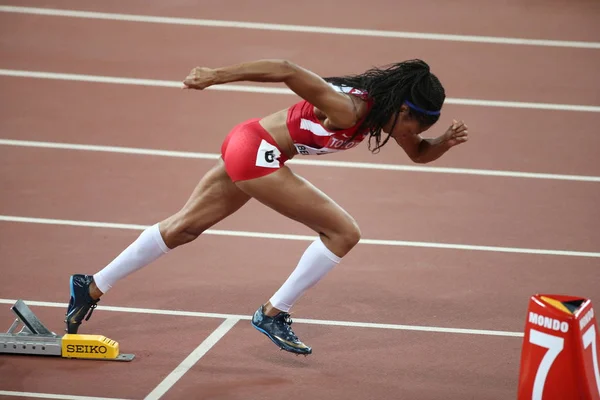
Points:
(368, 325)
(52, 396)
(108, 149)
(191, 360)
(300, 161)
(298, 28)
(276, 90)
(283, 236)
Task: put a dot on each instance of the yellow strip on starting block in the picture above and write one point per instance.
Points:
(92, 346)
(556, 304)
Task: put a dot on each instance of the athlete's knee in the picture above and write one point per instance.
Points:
(352, 235)
(345, 237)
(178, 230)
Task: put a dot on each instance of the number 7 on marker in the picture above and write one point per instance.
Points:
(555, 345)
(589, 337)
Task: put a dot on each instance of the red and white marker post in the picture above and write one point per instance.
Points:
(559, 358)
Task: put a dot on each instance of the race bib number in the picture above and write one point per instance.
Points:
(267, 155)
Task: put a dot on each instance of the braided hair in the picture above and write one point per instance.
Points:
(389, 87)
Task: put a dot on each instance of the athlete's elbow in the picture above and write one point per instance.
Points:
(415, 155)
(419, 155)
(419, 159)
(287, 68)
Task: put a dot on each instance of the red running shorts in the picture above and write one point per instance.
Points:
(250, 152)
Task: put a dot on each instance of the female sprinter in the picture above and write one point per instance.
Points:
(402, 101)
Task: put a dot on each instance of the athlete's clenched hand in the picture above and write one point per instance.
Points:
(200, 78)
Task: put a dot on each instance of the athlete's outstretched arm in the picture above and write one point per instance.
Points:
(422, 151)
(339, 107)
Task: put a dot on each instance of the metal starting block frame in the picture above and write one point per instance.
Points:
(35, 338)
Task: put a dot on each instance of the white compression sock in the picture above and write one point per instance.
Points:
(314, 264)
(148, 247)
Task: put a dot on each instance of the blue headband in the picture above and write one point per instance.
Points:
(411, 105)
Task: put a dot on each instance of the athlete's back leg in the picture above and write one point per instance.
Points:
(214, 198)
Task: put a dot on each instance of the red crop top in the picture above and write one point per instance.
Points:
(310, 137)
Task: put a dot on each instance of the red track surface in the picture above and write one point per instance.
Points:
(380, 284)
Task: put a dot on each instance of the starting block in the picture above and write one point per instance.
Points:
(35, 339)
(559, 358)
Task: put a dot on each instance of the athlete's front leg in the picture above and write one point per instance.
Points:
(294, 197)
